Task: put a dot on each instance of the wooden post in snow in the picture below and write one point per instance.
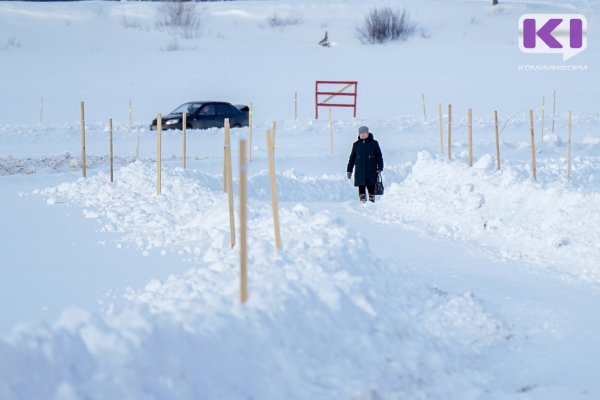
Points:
(243, 227)
(229, 183)
(225, 145)
(533, 169)
(295, 105)
(497, 141)
(470, 137)
(424, 111)
(110, 130)
(183, 129)
(449, 131)
(83, 163)
(569, 157)
(271, 147)
(441, 129)
(158, 154)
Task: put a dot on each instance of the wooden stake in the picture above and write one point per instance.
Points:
(497, 141)
(229, 184)
(533, 170)
(330, 132)
(83, 163)
(470, 137)
(449, 131)
(441, 129)
(296, 105)
(250, 133)
(543, 112)
(569, 158)
(225, 145)
(553, 110)
(158, 154)
(110, 130)
(243, 228)
(130, 116)
(424, 112)
(271, 148)
(183, 128)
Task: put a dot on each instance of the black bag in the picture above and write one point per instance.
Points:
(379, 185)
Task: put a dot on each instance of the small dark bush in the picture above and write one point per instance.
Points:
(275, 21)
(10, 43)
(180, 16)
(386, 24)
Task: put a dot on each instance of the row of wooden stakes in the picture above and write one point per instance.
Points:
(470, 139)
(244, 157)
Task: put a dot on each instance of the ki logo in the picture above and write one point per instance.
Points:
(565, 34)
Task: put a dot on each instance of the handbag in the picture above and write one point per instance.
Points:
(379, 185)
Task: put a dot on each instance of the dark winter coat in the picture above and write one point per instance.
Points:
(366, 157)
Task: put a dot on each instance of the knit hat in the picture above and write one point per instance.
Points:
(363, 129)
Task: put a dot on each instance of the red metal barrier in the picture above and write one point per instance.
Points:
(328, 88)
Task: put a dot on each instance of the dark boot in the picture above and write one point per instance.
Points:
(372, 198)
(363, 198)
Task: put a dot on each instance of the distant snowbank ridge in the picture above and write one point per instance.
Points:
(325, 318)
(53, 164)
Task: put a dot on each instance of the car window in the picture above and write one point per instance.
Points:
(208, 109)
(193, 107)
(225, 109)
(182, 108)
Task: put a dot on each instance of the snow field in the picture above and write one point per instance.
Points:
(459, 283)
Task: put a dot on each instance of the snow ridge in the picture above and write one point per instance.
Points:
(502, 210)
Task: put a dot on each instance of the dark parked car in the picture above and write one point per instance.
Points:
(204, 115)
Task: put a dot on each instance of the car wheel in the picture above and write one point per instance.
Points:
(237, 126)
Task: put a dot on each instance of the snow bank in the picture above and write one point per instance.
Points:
(552, 224)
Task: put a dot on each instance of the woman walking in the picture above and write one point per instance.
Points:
(367, 158)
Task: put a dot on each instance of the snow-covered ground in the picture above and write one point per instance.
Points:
(458, 283)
